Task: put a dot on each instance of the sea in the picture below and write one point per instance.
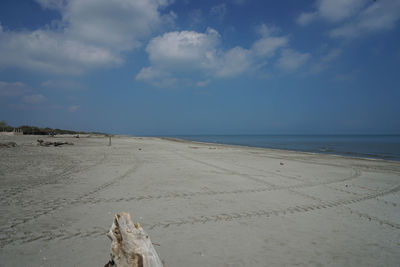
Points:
(365, 146)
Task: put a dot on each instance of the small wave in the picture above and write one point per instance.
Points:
(326, 149)
(358, 154)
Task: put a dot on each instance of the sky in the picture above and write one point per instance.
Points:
(185, 67)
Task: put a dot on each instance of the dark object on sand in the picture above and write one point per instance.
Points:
(281, 163)
(131, 245)
(57, 143)
(8, 144)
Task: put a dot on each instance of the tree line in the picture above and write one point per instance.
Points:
(27, 129)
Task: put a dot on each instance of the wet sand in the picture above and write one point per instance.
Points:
(202, 204)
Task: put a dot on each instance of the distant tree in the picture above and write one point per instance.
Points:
(3, 125)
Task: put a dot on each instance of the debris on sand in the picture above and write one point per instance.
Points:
(8, 144)
(281, 163)
(58, 143)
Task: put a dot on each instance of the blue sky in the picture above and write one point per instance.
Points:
(164, 67)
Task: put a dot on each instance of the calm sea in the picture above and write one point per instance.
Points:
(369, 146)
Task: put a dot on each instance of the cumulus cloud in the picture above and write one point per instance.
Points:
(267, 46)
(291, 60)
(233, 62)
(157, 77)
(91, 33)
(46, 51)
(379, 16)
(269, 41)
(353, 18)
(115, 24)
(338, 10)
(185, 49)
(175, 53)
(332, 11)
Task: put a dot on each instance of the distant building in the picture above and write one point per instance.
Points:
(14, 132)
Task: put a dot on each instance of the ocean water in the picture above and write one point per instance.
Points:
(368, 146)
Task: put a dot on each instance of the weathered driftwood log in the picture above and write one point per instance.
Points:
(8, 144)
(57, 143)
(131, 246)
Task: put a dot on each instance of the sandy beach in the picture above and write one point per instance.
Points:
(201, 204)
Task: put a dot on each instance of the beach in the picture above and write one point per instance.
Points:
(202, 204)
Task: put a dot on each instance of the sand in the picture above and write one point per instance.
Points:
(202, 204)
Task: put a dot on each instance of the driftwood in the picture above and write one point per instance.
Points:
(131, 246)
(57, 143)
(8, 144)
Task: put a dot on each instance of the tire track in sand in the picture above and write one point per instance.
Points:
(187, 194)
(62, 234)
(48, 207)
(11, 194)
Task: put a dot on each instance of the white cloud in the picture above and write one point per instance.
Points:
(354, 18)
(379, 16)
(33, 99)
(91, 33)
(46, 51)
(234, 62)
(331, 10)
(149, 74)
(115, 24)
(184, 50)
(267, 46)
(306, 18)
(338, 10)
(176, 53)
(291, 60)
(157, 77)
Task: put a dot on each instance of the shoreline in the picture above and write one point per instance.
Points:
(183, 140)
(279, 149)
